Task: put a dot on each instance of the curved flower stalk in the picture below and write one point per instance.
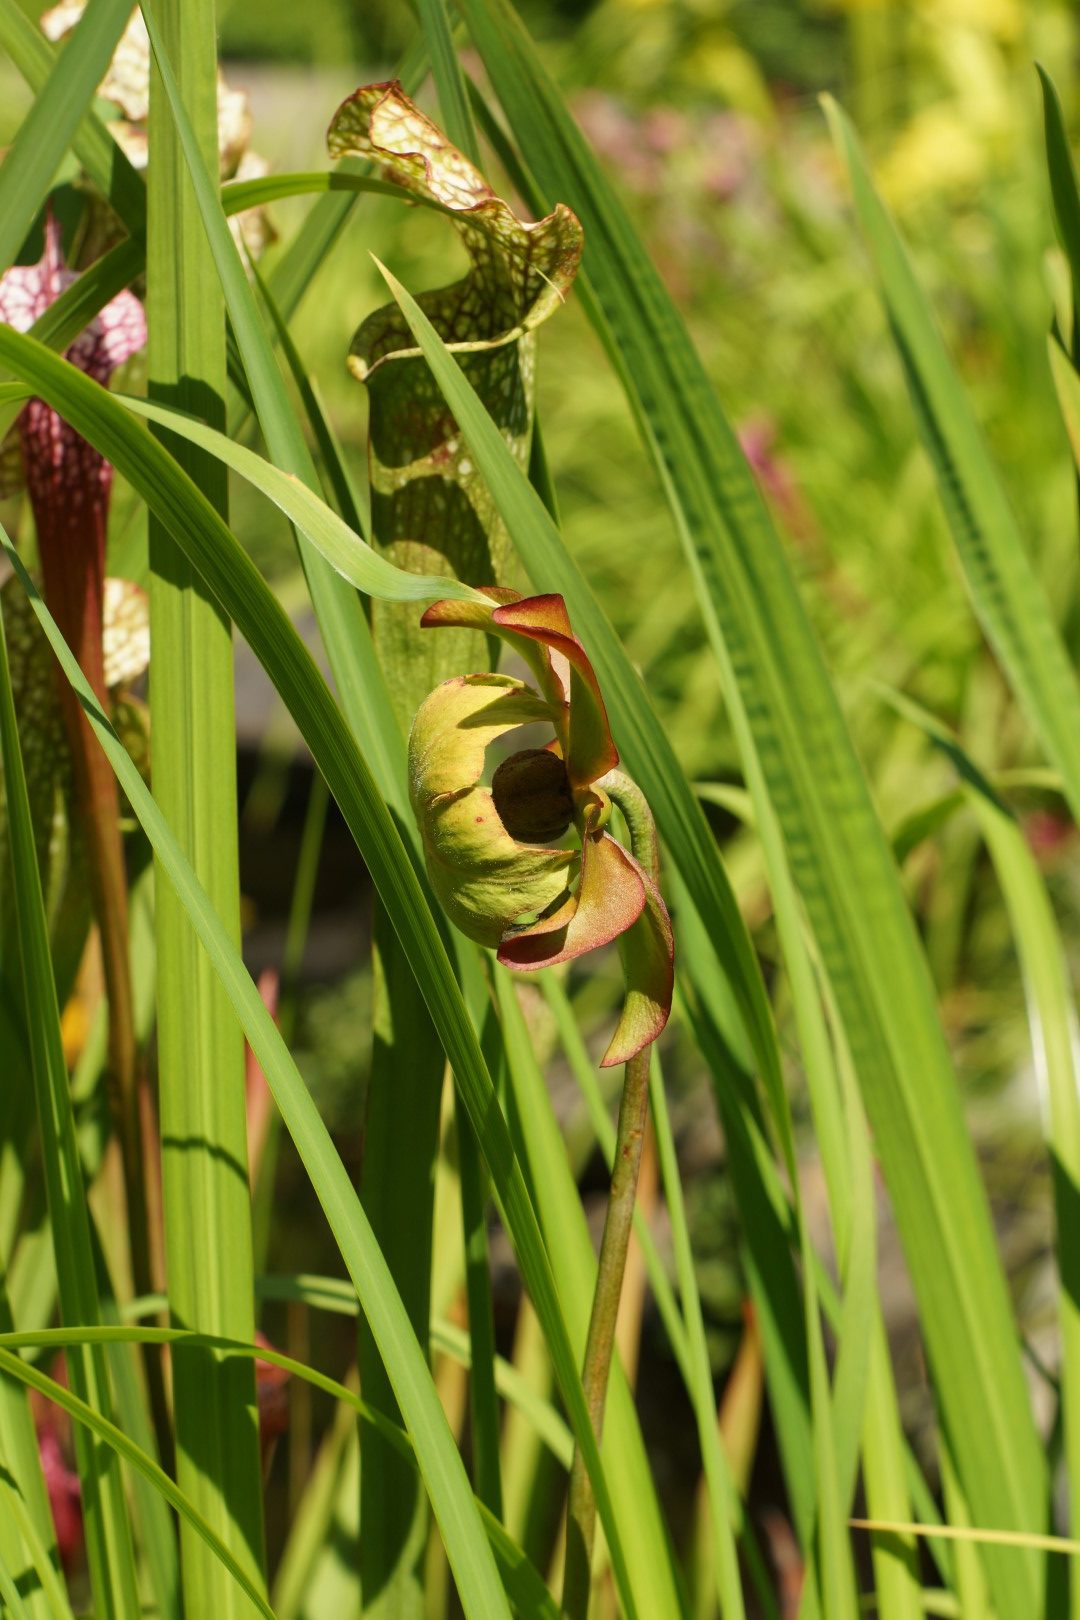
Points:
(431, 512)
(127, 85)
(497, 855)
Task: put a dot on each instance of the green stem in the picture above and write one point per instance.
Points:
(618, 1223)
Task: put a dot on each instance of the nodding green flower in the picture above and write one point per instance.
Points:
(527, 864)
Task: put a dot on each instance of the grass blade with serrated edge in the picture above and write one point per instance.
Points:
(207, 1204)
(844, 870)
(46, 132)
(243, 594)
(108, 1532)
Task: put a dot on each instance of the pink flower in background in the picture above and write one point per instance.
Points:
(272, 1396)
(757, 439)
(62, 1484)
(68, 482)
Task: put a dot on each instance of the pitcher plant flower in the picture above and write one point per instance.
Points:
(527, 864)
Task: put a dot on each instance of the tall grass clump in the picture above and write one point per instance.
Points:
(493, 1271)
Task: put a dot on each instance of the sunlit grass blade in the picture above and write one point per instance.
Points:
(108, 1532)
(1005, 590)
(726, 1510)
(20, 1464)
(342, 547)
(46, 132)
(243, 594)
(200, 1050)
(483, 1403)
(840, 860)
(1055, 1042)
(523, 1585)
(49, 1580)
(633, 1489)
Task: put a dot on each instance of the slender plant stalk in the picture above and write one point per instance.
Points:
(618, 1224)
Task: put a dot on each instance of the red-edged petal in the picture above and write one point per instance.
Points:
(590, 751)
(610, 898)
(648, 957)
(451, 614)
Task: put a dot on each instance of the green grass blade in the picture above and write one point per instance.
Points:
(483, 1405)
(840, 860)
(100, 155)
(341, 621)
(20, 1461)
(207, 1205)
(47, 130)
(239, 588)
(654, 1588)
(108, 1532)
(454, 110)
(1055, 1040)
(1063, 187)
(725, 1508)
(1005, 591)
(89, 1419)
(342, 547)
(51, 1584)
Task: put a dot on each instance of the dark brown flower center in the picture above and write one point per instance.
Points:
(532, 795)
